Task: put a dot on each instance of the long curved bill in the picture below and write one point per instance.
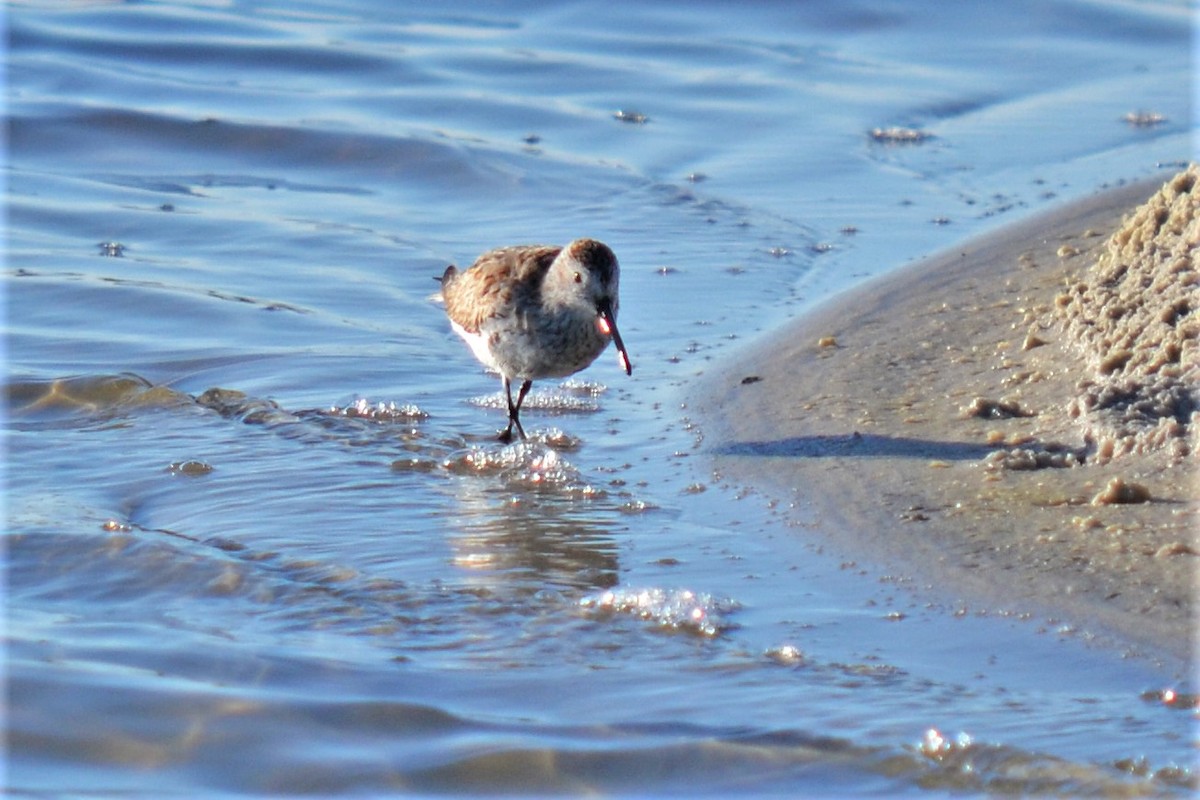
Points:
(608, 326)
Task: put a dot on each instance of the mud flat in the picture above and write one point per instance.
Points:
(1014, 421)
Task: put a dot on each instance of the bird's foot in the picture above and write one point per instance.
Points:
(506, 435)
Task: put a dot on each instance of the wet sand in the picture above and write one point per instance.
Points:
(931, 422)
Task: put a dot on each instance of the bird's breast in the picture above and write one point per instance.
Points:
(545, 344)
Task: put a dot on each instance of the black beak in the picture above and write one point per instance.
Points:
(610, 322)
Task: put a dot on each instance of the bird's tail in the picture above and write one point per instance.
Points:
(445, 280)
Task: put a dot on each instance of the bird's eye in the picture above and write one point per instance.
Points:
(578, 278)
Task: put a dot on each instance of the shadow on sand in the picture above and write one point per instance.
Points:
(862, 445)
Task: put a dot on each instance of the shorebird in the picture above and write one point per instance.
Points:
(536, 311)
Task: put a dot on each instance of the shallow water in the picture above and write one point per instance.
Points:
(260, 538)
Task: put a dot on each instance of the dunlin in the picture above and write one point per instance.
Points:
(536, 311)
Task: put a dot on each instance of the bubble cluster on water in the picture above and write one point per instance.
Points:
(787, 655)
(530, 464)
(557, 401)
(630, 116)
(962, 764)
(1174, 697)
(190, 468)
(897, 134)
(380, 411)
(583, 387)
(676, 609)
(557, 439)
(935, 745)
(636, 506)
(1144, 119)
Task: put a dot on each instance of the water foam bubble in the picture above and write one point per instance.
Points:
(379, 411)
(528, 464)
(676, 609)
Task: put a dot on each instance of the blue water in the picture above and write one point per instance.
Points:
(260, 539)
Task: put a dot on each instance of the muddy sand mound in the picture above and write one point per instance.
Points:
(1133, 317)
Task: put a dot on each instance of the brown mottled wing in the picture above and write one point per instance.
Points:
(496, 284)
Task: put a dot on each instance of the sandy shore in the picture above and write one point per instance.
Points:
(930, 422)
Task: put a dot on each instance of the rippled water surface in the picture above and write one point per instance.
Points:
(260, 537)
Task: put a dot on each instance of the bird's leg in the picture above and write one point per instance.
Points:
(506, 434)
(514, 410)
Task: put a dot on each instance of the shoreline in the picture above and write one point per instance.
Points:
(891, 418)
